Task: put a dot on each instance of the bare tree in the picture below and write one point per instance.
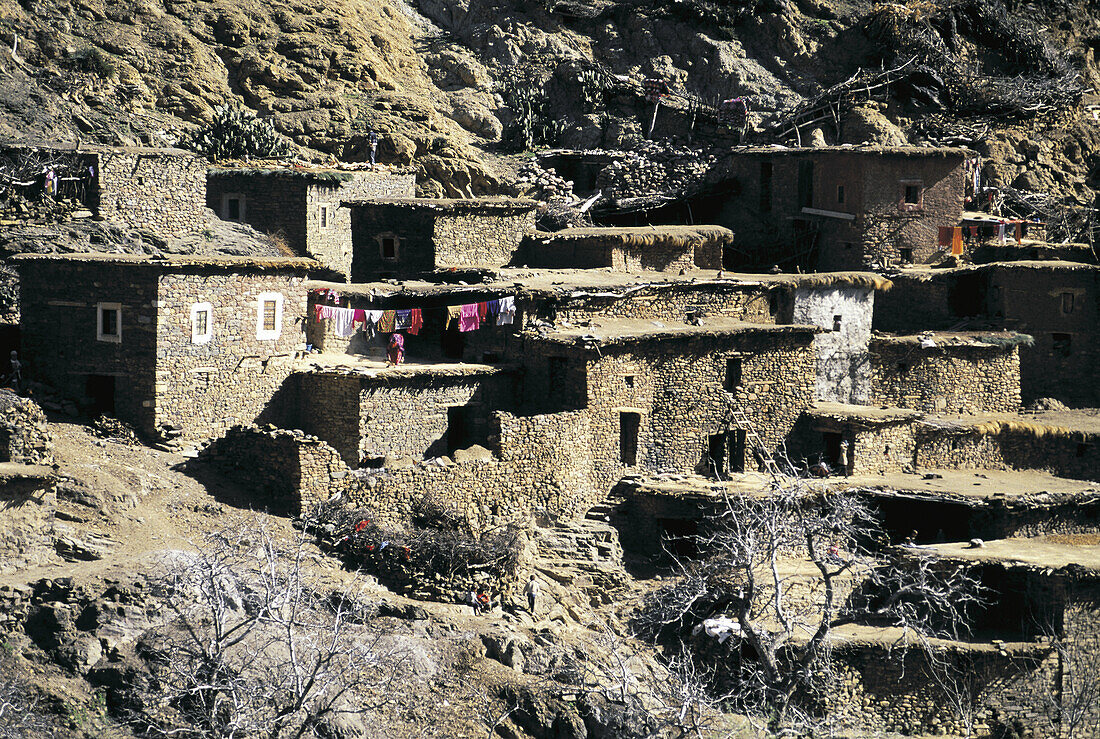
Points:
(782, 570)
(257, 646)
(21, 716)
(1072, 706)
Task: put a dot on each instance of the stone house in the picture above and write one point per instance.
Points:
(193, 344)
(302, 206)
(157, 189)
(649, 248)
(839, 207)
(1056, 303)
(664, 398)
(406, 237)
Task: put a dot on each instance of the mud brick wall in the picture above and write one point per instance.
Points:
(888, 227)
(490, 239)
(235, 378)
(401, 414)
(24, 436)
(666, 302)
(946, 379)
(162, 191)
(543, 466)
(596, 253)
(1077, 457)
(678, 386)
(287, 471)
(58, 329)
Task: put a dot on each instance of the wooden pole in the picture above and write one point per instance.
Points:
(653, 121)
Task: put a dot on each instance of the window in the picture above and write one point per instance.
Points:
(202, 323)
(269, 316)
(233, 207)
(628, 380)
(629, 423)
(840, 194)
(1067, 303)
(733, 373)
(388, 247)
(325, 216)
(1061, 344)
(109, 322)
(912, 194)
(765, 187)
(836, 323)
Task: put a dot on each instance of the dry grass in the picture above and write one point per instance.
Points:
(1077, 540)
(844, 279)
(1027, 428)
(642, 237)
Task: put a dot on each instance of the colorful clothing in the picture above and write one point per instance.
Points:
(469, 319)
(416, 320)
(507, 311)
(386, 323)
(396, 351)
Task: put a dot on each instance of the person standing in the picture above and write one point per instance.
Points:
(532, 590)
(396, 351)
(372, 138)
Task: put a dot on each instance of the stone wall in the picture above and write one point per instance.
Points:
(235, 377)
(968, 378)
(434, 234)
(1075, 456)
(59, 338)
(881, 449)
(24, 436)
(749, 302)
(679, 388)
(402, 413)
(270, 203)
(162, 190)
(286, 471)
(667, 256)
(843, 372)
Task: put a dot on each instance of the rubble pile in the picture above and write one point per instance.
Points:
(112, 429)
(652, 168)
(544, 185)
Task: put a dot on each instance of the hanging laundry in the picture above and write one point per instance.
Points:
(1019, 232)
(469, 320)
(494, 307)
(343, 324)
(403, 320)
(944, 236)
(957, 241)
(416, 320)
(317, 313)
(386, 323)
(483, 311)
(507, 311)
(454, 313)
(1001, 233)
(360, 316)
(326, 311)
(374, 316)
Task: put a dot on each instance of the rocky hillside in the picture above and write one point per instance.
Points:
(451, 83)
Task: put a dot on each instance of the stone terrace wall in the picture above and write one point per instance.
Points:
(880, 691)
(946, 379)
(24, 436)
(1077, 458)
(235, 378)
(491, 239)
(287, 471)
(58, 329)
(162, 191)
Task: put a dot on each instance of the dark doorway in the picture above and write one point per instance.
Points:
(452, 343)
(458, 428)
(967, 297)
(716, 452)
(100, 389)
(629, 424)
(678, 537)
(737, 450)
(833, 456)
(805, 184)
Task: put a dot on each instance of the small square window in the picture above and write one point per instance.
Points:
(202, 323)
(388, 246)
(109, 322)
(836, 323)
(233, 207)
(325, 216)
(840, 194)
(912, 194)
(269, 316)
(1067, 303)
(628, 380)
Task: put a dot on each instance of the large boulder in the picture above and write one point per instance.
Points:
(866, 125)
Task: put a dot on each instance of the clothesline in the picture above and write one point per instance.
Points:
(469, 317)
